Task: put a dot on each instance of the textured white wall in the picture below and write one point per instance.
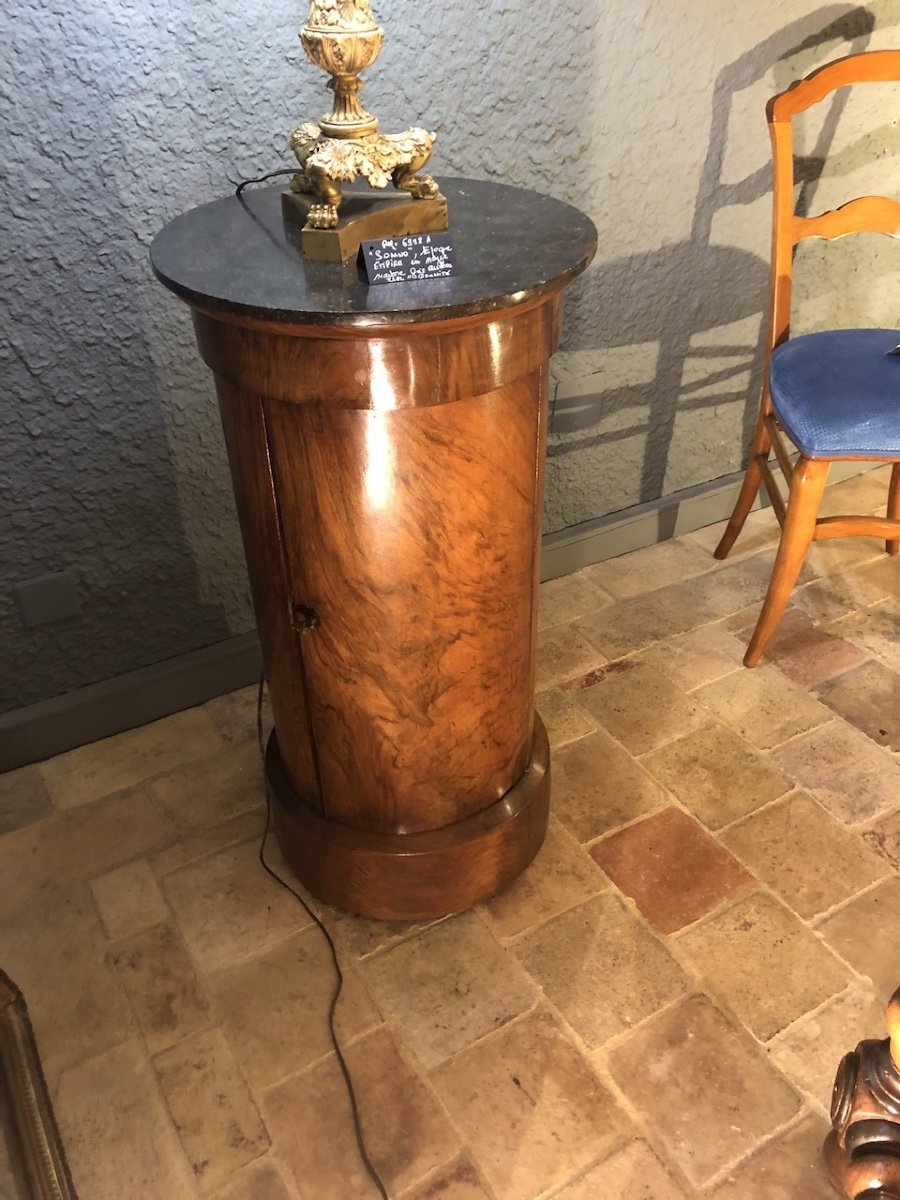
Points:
(121, 114)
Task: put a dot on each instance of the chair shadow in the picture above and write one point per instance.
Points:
(670, 295)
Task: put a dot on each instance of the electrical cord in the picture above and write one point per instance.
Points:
(239, 187)
(339, 977)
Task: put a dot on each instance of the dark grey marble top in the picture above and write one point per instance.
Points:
(238, 255)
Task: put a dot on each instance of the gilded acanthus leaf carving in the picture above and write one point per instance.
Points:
(340, 14)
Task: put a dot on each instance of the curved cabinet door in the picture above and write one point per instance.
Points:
(413, 534)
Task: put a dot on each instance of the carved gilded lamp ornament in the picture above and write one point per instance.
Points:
(342, 37)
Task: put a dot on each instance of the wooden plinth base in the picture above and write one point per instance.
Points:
(364, 217)
(416, 876)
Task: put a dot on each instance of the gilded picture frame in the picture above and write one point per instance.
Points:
(33, 1162)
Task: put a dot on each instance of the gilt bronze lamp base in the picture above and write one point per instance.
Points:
(342, 38)
(364, 216)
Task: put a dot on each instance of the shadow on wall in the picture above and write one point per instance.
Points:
(673, 294)
(86, 464)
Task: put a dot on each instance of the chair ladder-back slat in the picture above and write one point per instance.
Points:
(866, 214)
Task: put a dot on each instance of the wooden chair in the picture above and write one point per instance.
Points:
(835, 395)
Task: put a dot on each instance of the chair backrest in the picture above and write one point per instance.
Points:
(866, 214)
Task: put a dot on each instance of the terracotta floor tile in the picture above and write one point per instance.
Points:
(642, 708)
(794, 621)
(228, 908)
(646, 570)
(530, 1107)
(861, 493)
(118, 1135)
(761, 530)
(563, 652)
(734, 586)
(214, 1114)
(262, 1180)
(634, 624)
(768, 967)
(789, 1168)
(763, 706)
(877, 630)
(122, 761)
(837, 596)
(672, 868)
(447, 987)
(809, 1051)
(601, 968)
(407, 1132)
(717, 775)
(864, 933)
(703, 1086)
(234, 715)
(883, 575)
(739, 623)
(68, 847)
(884, 839)
(811, 860)
(563, 716)
(273, 1007)
(23, 798)
(844, 770)
(213, 790)
(459, 1181)
(571, 596)
(843, 554)
(562, 874)
(129, 900)
(632, 1173)
(56, 953)
(693, 659)
(160, 980)
(597, 786)
(360, 937)
(204, 843)
(869, 698)
(806, 653)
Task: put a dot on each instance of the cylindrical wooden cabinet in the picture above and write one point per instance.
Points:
(387, 447)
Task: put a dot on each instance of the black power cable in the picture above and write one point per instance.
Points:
(339, 977)
(239, 187)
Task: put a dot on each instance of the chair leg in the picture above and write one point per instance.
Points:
(893, 506)
(807, 485)
(762, 444)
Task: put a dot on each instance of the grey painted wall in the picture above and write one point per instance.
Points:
(121, 114)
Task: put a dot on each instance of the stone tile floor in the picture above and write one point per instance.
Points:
(656, 1009)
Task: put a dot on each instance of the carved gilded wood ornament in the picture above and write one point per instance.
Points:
(342, 37)
(862, 1151)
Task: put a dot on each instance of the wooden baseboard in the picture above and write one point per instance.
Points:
(646, 524)
(90, 713)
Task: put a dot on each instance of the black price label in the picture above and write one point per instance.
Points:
(409, 259)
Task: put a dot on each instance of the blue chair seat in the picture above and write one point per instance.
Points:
(837, 393)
